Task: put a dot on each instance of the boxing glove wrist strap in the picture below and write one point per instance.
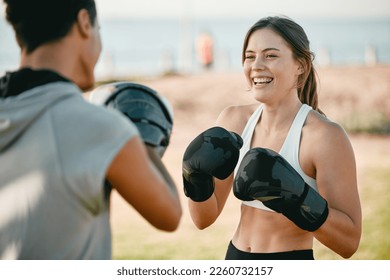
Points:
(305, 219)
(198, 186)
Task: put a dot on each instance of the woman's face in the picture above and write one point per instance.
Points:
(269, 66)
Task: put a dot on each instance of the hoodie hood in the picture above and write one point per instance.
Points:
(17, 113)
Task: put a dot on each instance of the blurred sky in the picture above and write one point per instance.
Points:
(240, 8)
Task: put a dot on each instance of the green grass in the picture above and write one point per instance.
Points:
(368, 122)
(376, 212)
(187, 243)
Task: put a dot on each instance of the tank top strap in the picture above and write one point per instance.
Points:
(247, 134)
(251, 124)
(292, 143)
(290, 148)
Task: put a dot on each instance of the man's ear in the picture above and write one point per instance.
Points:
(83, 23)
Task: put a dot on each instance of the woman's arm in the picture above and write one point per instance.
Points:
(335, 167)
(143, 181)
(205, 213)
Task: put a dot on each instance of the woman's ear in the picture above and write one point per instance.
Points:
(301, 66)
(301, 69)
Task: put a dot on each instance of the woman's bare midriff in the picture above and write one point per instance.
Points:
(262, 231)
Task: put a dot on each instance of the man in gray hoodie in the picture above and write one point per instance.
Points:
(57, 150)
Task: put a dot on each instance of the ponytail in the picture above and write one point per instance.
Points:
(307, 88)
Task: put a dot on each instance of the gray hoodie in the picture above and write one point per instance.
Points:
(55, 149)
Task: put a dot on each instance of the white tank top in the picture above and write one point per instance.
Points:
(289, 150)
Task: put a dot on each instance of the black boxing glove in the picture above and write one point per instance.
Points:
(266, 176)
(150, 112)
(213, 153)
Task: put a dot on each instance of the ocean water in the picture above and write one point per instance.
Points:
(151, 47)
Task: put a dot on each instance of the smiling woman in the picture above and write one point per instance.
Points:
(291, 190)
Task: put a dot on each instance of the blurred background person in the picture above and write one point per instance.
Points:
(205, 50)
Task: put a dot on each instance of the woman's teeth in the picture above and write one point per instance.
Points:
(262, 80)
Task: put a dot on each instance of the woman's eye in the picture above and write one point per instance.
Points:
(249, 57)
(271, 56)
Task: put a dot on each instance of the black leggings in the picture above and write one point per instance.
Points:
(234, 254)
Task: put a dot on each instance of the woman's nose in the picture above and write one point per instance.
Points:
(258, 64)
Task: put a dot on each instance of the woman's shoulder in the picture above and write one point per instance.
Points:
(320, 124)
(323, 143)
(324, 132)
(234, 118)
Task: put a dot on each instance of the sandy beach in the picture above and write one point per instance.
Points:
(197, 101)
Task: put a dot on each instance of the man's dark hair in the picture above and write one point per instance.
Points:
(37, 22)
